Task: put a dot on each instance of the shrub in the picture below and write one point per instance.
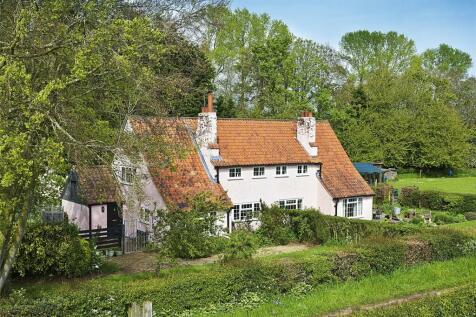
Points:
(217, 288)
(275, 225)
(190, 234)
(241, 245)
(409, 196)
(470, 216)
(445, 243)
(54, 249)
(442, 218)
(459, 203)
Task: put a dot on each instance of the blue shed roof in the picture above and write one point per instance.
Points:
(367, 168)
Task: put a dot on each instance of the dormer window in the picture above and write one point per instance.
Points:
(302, 169)
(281, 170)
(127, 174)
(258, 171)
(234, 172)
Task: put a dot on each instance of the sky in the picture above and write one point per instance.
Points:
(428, 22)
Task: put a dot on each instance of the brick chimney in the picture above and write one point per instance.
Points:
(206, 134)
(207, 124)
(306, 132)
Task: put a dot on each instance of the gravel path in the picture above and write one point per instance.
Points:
(146, 261)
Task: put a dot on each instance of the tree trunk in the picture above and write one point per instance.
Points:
(7, 264)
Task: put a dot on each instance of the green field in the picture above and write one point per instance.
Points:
(373, 289)
(461, 185)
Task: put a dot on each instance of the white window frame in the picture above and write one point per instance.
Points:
(246, 211)
(302, 170)
(281, 170)
(127, 174)
(234, 172)
(258, 171)
(353, 207)
(291, 203)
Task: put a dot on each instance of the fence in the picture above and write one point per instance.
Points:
(106, 238)
(135, 236)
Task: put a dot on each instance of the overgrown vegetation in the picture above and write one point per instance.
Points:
(281, 225)
(219, 287)
(458, 203)
(55, 250)
(192, 233)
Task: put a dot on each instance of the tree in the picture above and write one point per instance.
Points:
(367, 52)
(70, 73)
(447, 62)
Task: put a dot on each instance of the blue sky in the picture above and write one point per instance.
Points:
(428, 23)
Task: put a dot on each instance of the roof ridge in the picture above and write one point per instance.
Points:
(226, 119)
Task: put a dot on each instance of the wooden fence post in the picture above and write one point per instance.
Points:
(137, 310)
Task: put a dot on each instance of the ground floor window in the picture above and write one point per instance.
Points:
(353, 207)
(246, 212)
(290, 203)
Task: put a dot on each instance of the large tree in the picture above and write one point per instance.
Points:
(367, 52)
(70, 74)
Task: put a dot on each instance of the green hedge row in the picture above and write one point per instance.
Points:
(280, 226)
(54, 250)
(460, 302)
(222, 287)
(459, 203)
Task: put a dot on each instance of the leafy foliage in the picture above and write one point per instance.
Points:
(189, 234)
(222, 287)
(241, 245)
(55, 250)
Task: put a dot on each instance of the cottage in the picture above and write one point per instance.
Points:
(246, 162)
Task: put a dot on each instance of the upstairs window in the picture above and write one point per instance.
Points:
(235, 172)
(302, 169)
(353, 207)
(290, 204)
(127, 174)
(258, 171)
(281, 170)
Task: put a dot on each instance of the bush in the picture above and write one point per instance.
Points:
(409, 196)
(470, 216)
(442, 218)
(54, 249)
(190, 234)
(458, 203)
(218, 288)
(459, 302)
(275, 225)
(241, 245)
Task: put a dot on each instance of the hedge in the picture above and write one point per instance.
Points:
(459, 203)
(221, 287)
(311, 226)
(54, 250)
(458, 302)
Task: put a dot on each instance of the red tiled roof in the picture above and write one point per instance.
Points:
(97, 185)
(244, 142)
(186, 176)
(338, 173)
(259, 142)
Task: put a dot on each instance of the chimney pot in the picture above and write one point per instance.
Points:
(306, 114)
(210, 101)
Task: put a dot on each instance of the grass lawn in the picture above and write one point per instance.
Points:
(468, 227)
(329, 298)
(460, 185)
